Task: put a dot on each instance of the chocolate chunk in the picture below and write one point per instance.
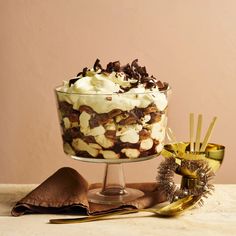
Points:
(155, 117)
(131, 119)
(151, 108)
(67, 137)
(103, 118)
(120, 145)
(93, 123)
(87, 109)
(114, 113)
(138, 112)
(73, 117)
(84, 154)
(129, 145)
(144, 134)
(145, 153)
(89, 139)
(70, 134)
(156, 142)
(99, 119)
(110, 134)
(75, 132)
(128, 121)
(65, 108)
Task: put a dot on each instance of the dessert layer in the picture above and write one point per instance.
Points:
(117, 134)
(129, 86)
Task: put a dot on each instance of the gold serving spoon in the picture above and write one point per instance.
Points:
(171, 210)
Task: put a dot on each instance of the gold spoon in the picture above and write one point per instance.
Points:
(170, 210)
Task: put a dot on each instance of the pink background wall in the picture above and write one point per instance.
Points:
(190, 44)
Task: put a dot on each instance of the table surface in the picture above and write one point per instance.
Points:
(216, 217)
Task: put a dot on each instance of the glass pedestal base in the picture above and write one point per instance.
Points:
(128, 194)
(113, 190)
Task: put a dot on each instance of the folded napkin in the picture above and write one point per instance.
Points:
(66, 192)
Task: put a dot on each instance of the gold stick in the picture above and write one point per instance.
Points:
(208, 134)
(171, 135)
(191, 123)
(199, 130)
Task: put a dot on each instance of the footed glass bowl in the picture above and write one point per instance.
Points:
(113, 129)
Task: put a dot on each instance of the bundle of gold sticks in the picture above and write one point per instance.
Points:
(197, 147)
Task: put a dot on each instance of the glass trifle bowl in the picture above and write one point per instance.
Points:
(111, 127)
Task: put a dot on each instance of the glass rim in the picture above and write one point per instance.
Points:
(111, 94)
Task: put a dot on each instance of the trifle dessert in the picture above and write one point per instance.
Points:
(115, 112)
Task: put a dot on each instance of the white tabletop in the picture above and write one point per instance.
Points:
(216, 217)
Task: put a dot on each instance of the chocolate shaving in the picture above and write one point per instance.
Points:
(72, 81)
(160, 84)
(109, 67)
(84, 71)
(150, 84)
(116, 65)
(97, 65)
(133, 71)
(135, 63)
(113, 66)
(79, 74)
(166, 85)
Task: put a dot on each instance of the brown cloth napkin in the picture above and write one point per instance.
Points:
(66, 192)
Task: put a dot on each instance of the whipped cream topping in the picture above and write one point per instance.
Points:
(104, 91)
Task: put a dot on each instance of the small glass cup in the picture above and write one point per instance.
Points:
(113, 129)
